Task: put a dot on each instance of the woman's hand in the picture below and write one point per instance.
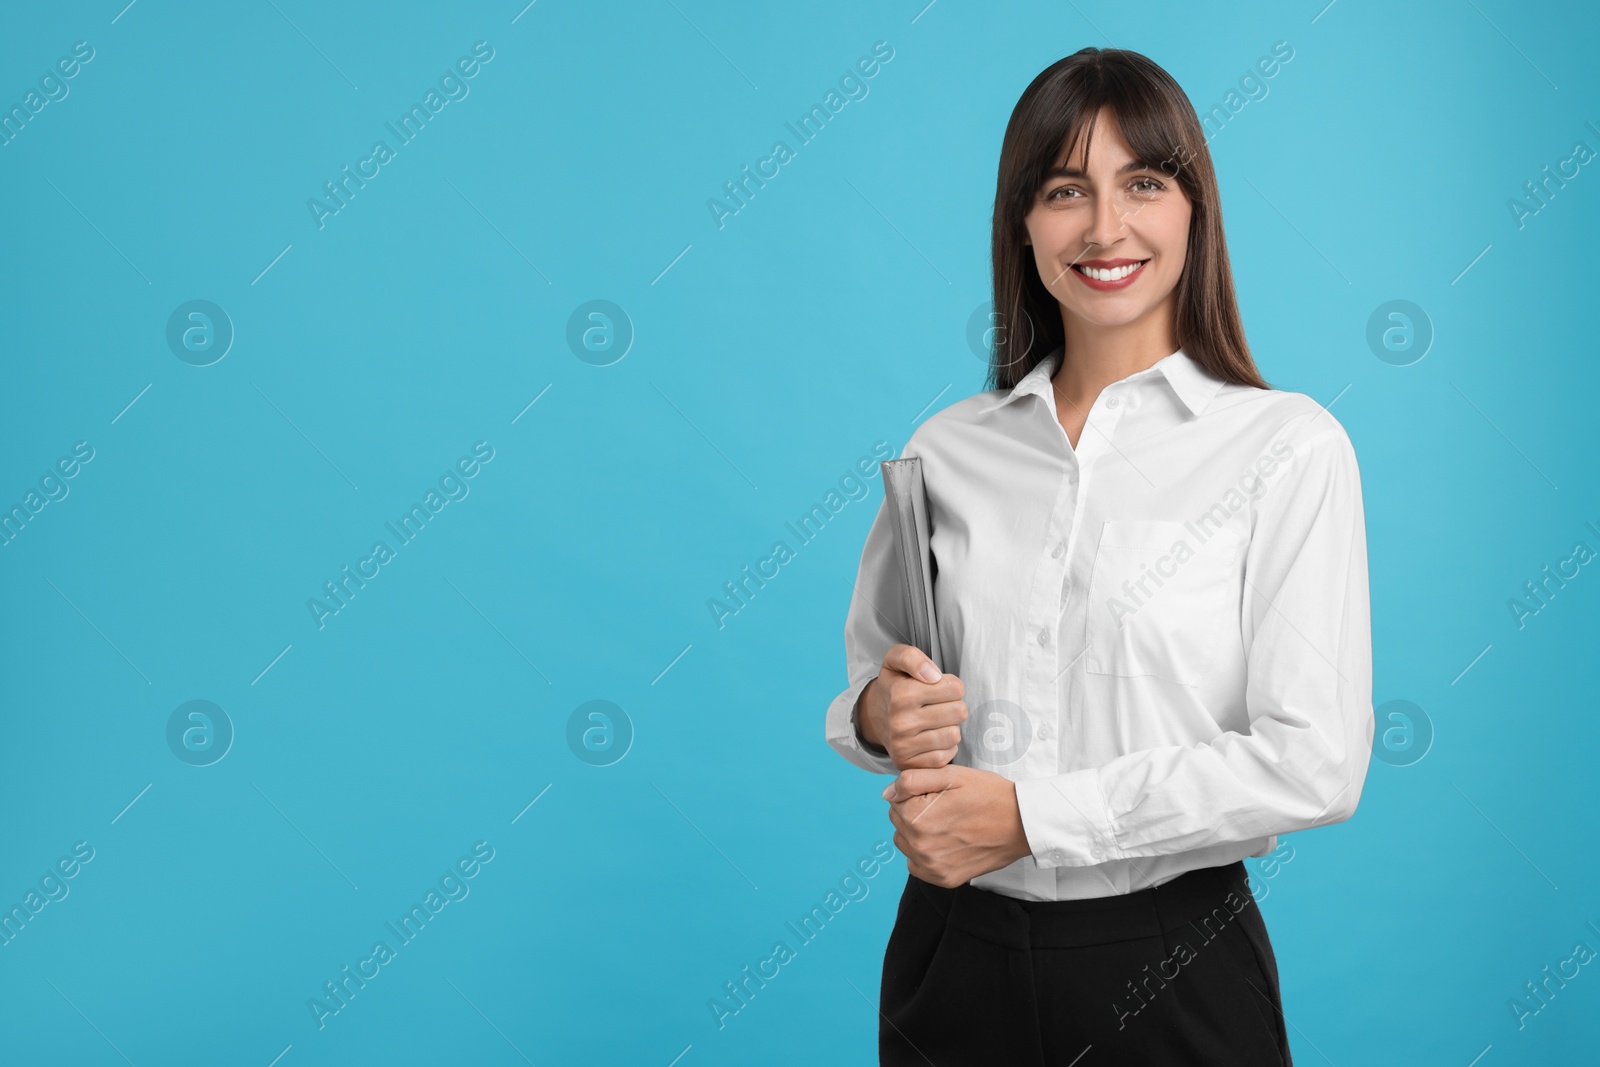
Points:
(913, 710)
(954, 823)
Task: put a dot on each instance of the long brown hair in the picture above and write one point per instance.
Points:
(1057, 110)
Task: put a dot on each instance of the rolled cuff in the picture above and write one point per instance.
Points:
(841, 733)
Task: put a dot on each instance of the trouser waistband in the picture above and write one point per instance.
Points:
(1206, 893)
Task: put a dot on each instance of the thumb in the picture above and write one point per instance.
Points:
(911, 660)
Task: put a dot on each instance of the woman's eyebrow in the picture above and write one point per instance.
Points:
(1074, 172)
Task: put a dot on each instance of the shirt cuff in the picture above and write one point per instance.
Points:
(841, 733)
(1066, 820)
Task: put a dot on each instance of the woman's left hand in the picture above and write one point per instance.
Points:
(953, 823)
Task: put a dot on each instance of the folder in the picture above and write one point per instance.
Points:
(907, 502)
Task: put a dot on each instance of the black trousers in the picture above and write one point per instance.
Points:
(1180, 973)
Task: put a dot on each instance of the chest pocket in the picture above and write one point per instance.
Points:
(1157, 599)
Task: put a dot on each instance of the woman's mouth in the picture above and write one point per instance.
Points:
(1115, 274)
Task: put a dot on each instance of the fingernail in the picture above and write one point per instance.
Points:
(929, 672)
(887, 790)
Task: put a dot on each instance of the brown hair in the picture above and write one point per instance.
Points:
(1058, 109)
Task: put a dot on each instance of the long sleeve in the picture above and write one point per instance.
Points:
(875, 623)
(1307, 629)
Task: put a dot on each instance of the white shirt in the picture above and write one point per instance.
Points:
(1164, 633)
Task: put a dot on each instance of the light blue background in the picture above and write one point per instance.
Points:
(768, 357)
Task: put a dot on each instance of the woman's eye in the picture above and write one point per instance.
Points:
(1142, 186)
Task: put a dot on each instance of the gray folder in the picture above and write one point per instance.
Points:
(907, 501)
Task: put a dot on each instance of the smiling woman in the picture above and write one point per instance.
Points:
(1187, 651)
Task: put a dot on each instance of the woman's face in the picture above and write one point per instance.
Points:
(1126, 223)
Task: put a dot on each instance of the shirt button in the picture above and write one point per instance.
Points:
(1044, 730)
(1044, 637)
(1055, 553)
(1111, 402)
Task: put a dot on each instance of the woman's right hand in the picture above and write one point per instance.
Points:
(913, 710)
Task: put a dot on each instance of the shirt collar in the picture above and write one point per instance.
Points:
(1192, 384)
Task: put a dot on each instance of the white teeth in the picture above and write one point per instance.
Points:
(1113, 275)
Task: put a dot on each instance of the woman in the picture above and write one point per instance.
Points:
(1152, 593)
